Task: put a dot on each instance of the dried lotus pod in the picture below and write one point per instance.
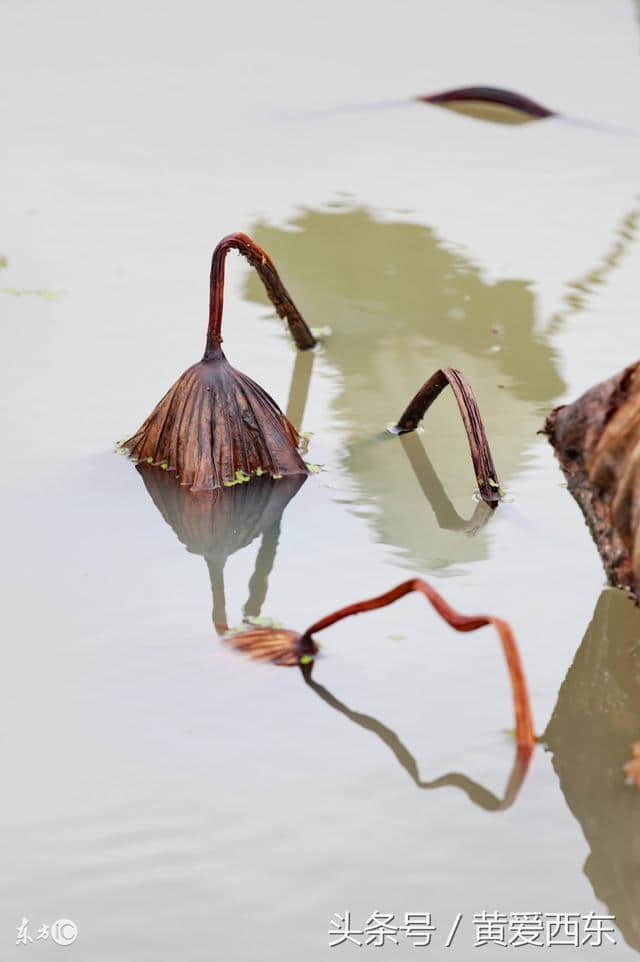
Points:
(216, 427)
(597, 442)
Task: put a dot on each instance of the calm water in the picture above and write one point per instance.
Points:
(174, 800)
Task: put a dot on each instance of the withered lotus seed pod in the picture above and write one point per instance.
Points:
(216, 427)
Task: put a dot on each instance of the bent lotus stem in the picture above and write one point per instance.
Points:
(269, 276)
(525, 736)
(486, 475)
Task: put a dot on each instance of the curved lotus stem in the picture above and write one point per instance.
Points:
(524, 722)
(269, 276)
(490, 95)
(486, 474)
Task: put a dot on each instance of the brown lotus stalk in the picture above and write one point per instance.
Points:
(216, 427)
(486, 475)
(285, 647)
(597, 442)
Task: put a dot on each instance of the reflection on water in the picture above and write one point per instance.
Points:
(401, 303)
(581, 289)
(595, 720)
(217, 524)
(299, 389)
(446, 515)
(476, 793)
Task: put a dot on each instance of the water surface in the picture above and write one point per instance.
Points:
(171, 798)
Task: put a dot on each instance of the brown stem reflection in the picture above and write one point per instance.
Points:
(595, 720)
(299, 389)
(259, 582)
(475, 792)
(435, 493)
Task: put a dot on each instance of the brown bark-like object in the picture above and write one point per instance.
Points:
(597, 442)
(285, 647)
(632, 767)
(216, 427)
(486, 474)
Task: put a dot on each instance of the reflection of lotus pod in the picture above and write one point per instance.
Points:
(219, 523)
(597, 441)
(225, 521)
(216, 427)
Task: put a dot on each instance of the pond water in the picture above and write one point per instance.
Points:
(173, 799)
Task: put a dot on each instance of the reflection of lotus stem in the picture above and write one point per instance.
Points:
(524, 723)
(259, 583)
(476, 793)
(582, 287)
(432, 488)
(269, 276)
(219, 608)
(486, 474)
(299, 390)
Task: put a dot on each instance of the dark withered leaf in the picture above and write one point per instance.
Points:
(490, 103)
